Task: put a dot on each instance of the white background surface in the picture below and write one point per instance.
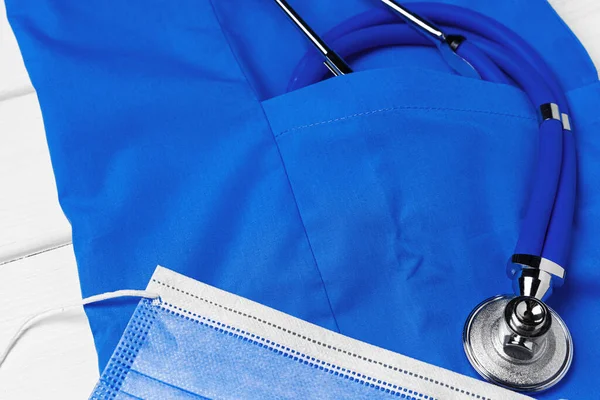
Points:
(56, 359)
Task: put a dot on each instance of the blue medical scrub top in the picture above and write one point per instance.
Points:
(382, 204)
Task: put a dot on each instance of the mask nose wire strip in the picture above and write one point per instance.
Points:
(89, 300)
(556, 242)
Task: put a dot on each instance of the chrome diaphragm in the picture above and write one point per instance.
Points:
(518, 342)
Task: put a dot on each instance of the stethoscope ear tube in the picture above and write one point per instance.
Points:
(493, 61)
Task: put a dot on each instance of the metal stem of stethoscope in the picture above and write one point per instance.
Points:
(333, 61)
(416, 20)
(446, 44)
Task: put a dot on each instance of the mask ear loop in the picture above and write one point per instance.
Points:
(88, 300)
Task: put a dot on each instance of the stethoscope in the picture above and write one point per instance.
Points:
(514, 341)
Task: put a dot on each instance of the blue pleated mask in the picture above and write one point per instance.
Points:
(199, 342)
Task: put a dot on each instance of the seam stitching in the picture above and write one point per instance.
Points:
(287, 177)
(398, 108)
(309, 243)
(321, 344)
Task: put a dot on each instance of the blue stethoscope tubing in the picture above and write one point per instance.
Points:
(498, 55)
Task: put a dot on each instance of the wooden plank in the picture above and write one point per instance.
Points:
(13, 76)
(30, 216)
(55, 358)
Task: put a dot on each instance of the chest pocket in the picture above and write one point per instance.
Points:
(410, 184)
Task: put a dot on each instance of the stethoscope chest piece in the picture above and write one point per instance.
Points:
(518, 342)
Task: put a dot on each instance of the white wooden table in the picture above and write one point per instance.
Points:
(56, 358)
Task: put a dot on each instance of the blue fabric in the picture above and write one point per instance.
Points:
(167, 355)
(380, 28)
(382, 204)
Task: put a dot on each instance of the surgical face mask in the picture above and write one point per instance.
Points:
(198, 342)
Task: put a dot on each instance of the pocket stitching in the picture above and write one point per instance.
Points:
(398, 108)
(289, 183)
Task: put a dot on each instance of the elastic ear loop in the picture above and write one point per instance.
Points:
(88, 300)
